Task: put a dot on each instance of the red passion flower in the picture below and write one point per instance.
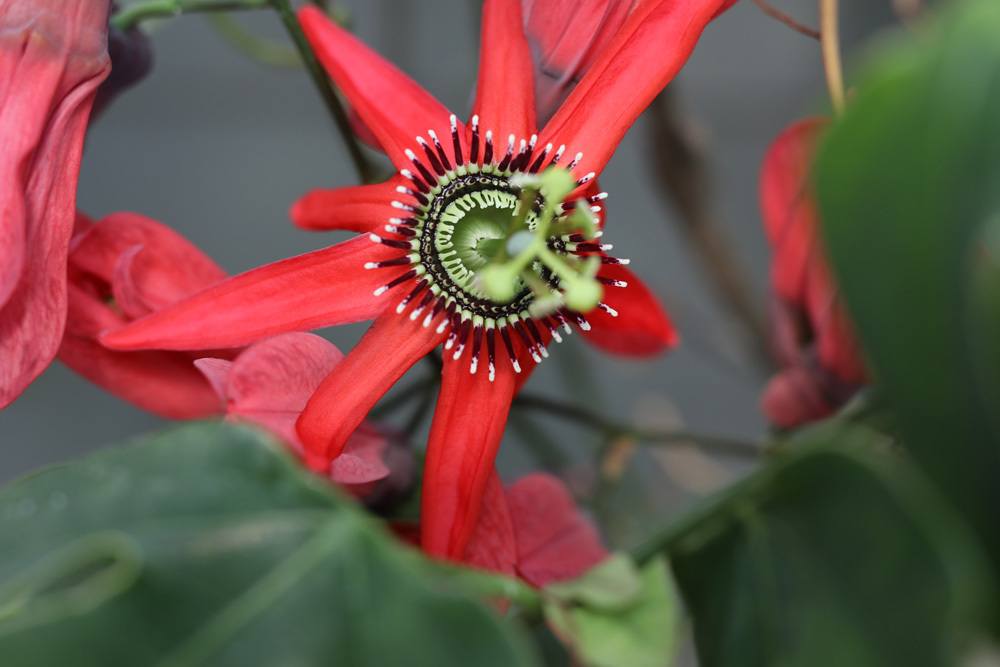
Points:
(426, 235)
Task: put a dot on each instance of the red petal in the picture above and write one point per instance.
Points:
(149, 265)
(787, 207)
(53, 55)
(505, 95)
(391, 104)
(269, 385)
(271, 381)
(165, 383)
(645, 54)
(363, 208)
(641, 329)
(321, 288)
(566, 36)
(554, 540)
(362, 460)
(493, 545)
(386, 351)
(468, 425)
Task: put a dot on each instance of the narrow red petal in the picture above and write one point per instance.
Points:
(642, 58)
(386, 351)
(555, 541)
(641, 328)
(493, 545)
(392, 105)
(321, 288)
(165, 383)
(505, 93)
(363, 208)
(468, 425)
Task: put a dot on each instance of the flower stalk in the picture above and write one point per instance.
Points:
(830, 42)
(134, 14)
(366, 170)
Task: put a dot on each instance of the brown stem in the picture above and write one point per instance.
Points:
(682, 172)
(781, 16)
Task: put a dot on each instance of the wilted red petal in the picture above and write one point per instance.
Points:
(269, 384)
(493, 545)
(799, 271)
(362, 460)
(644, 55)
(468, 425)
(794, 397)
(641, 328)
(554, 540)
(391, 104)
(505, 93)
(363, 208)
(148, 264)
(321, 288)
(165, 383)
(53, 56)
(386, 351)
(565, 37)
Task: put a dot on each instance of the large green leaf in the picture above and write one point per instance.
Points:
(834, 555)
(209, 546)
(909, 187)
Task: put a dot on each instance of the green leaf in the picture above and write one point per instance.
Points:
(635, 627)
(834, 555)
(909, 186)
(208, 545)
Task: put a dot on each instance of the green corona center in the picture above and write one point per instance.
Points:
(472, 231)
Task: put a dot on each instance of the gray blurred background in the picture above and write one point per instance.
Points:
(219, 146)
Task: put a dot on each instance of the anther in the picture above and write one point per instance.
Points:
(608, 309)
(558, 155)
(612, 282)
(600, 196)
(586, 179)
(576, 161)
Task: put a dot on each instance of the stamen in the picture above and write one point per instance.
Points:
(576, 161)
(612, 282)
(412, 273)
(586, 179)
(558, 155)
(608, 309)
(403, 190)
(409, 297)
(509, 346)
(392, 243)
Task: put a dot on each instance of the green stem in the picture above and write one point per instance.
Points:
(131, 16)
(613, 430)
(365, 169)
(405, 395)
